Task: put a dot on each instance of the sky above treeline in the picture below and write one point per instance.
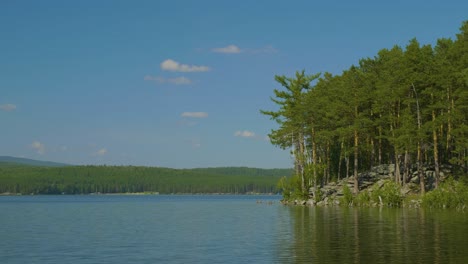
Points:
(180, 83)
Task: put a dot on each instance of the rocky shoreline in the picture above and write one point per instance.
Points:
(371, 182)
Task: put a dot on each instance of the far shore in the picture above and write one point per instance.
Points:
(135, 194)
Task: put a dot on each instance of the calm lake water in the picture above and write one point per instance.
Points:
(221, 229)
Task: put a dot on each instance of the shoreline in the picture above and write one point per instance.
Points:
(138, 194)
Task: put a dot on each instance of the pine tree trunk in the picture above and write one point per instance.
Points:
(380, 143)
(372, 153)
(436, 153)
(396, 158)
(301, 161)
(449, 124)
(328, 163)
(406, 165)
(397, 167)
(339, 160)
(297, 168)
(356, 161)
(314, 161)
(347, 166)
(422, 184)
(324, 181)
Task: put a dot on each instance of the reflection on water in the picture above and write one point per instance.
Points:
(377, 235)
(122, 229)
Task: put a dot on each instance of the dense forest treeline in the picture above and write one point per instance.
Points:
(15, 178)
(405, 106)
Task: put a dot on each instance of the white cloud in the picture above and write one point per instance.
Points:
(8, 107)
(171, 65)
(194, 114)
(245, 133)
(38, 147)
(101, 152)
(177, 81)
(231, 49)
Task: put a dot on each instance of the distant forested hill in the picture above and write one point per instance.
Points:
(27, 179)
(30, 162)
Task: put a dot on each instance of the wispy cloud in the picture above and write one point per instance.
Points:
(8, 107)
(231, 49)
(244, 133)
(194, 114)
(177, 81)
(101, 152)
(172, 65)
(38, 147)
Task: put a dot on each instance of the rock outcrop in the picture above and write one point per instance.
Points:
(372, 180)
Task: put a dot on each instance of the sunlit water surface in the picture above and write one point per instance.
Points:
(221, 229)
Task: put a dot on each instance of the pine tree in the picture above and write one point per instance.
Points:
(291, 118)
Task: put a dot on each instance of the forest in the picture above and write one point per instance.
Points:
(406, 106)
(24, 179)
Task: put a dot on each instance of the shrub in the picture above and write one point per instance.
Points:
(291, 188)
(318, 195)
(390, 194)
(363, 198)
(450, 194)
(348, 197)
(284, 186)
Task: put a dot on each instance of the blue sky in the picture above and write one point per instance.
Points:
(180, 83)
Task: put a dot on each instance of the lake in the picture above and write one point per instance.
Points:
(221, 229)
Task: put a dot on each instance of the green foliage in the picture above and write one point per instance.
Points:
(290, 187)
(348, 197)
(309, 173)
(390, 194)
(363, 199)
(131, 179)
(318, 195)
(410, 100)
(286, 187)
(450, 194)
(297, 191)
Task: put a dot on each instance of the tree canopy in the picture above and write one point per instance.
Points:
(406, 106)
